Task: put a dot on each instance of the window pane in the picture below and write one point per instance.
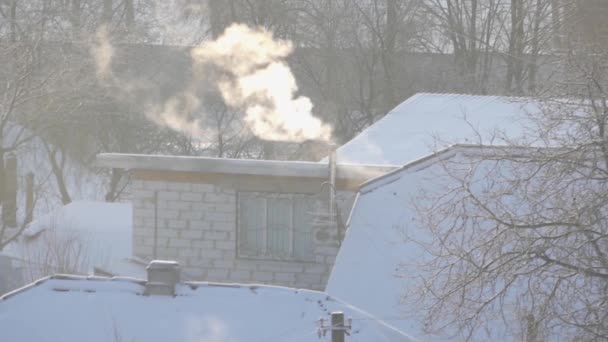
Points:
(252, 212)
(303, 217)
(279, 226)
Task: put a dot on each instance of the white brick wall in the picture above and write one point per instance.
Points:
(197, 227)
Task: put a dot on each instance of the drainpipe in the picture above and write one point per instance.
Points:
(154, 251)
(332, 185)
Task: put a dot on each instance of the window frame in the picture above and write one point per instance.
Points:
(265, 256)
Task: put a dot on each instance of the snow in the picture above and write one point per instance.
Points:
(101, 233)
(114, 309)
(426, 123)
(375, 267)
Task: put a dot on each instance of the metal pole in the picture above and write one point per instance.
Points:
(337, 327)
(154, 256)
(332, 188)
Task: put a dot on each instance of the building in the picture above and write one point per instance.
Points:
(379, 267)
(426, 123)
(246, 221)
(161, 308)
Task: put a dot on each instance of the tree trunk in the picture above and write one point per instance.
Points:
(388, 54)
(129, 13)
(107, 12)
(75, 19)
(13, 20)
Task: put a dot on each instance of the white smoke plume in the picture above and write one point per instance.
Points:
(103, 52)
(259, 82)
(248, 68)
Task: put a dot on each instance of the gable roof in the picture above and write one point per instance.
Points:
(70, 308)
(375, 268)
(425, 123)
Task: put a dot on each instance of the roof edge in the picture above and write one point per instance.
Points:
(252, 167)
(445, 153)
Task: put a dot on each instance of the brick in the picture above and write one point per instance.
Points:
(323, 250)
(226, 264)
(308, 278)
(192, 234)
(202, 187)
(169, 233)
(221, 217)
(225, 245)
(187, 252)
(214, 235)
(269, 266)
(202, 244)
(179, 186)
(202, 206)
(210, 254)
(225, 207)
(143, 213)
(191, 197)
(177, 224)
(155, 185)
(168, 195)
(179, 243)
(240, 275)
(292, 267)
(192, 215)
(217, 274)
(161, 241)
(179, 205)
(141, 194)
(198, 225)
(312, 268)
(223, 226)
(285, 277)
(262, 276)
(218, 198)
(168, 214)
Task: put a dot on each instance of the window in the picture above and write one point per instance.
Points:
(275, 226)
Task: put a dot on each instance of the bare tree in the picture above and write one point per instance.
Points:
(519, 238)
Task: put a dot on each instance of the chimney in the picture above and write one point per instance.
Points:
(163, 275)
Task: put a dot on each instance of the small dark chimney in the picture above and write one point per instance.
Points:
(9, 197)
(163, 275)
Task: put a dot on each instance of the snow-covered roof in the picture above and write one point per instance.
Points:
(101, 233)
(248, 167)
(375, 267)
(69, 308)
(425, 123)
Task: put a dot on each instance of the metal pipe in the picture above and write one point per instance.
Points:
(332, 183)
(154, 251)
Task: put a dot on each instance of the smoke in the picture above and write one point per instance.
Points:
(257, 80)
(248, 68)
(103, 52)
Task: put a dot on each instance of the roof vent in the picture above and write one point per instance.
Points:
(163, 275)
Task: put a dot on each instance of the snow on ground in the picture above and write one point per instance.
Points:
(106, 309)
(425, 123)
(77, 238)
